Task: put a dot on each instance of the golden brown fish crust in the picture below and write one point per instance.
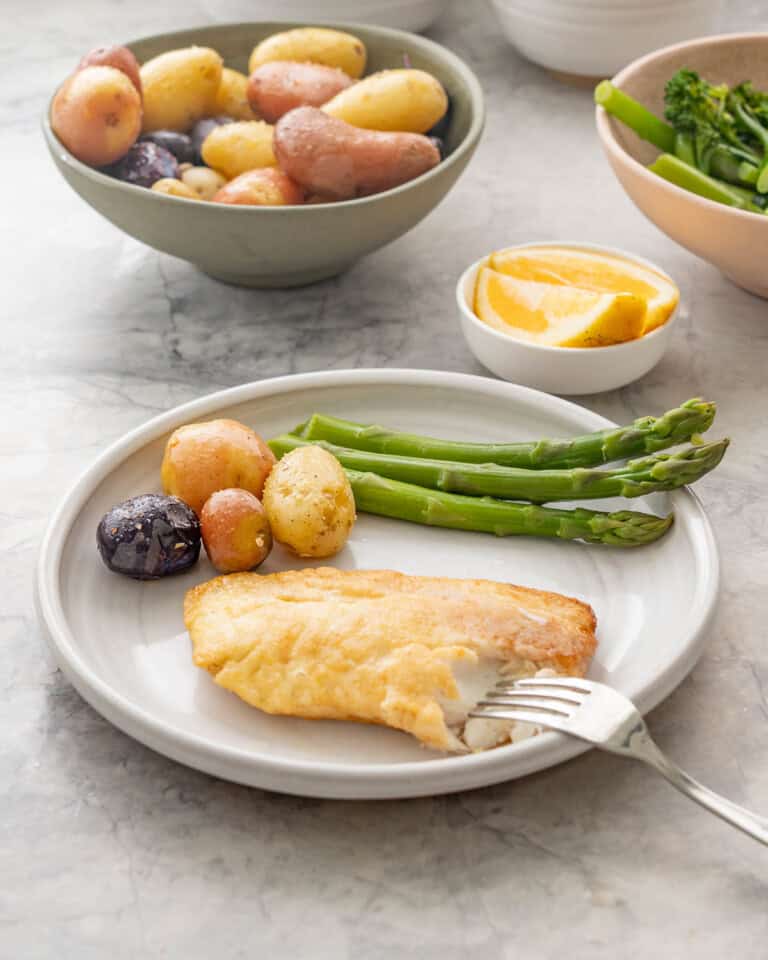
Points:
(376, 645)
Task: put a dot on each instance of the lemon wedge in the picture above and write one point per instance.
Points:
(592, 270)
(556, 316)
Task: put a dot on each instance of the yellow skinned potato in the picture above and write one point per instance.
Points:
(335, 160)
(174, 188)
(309, 502)
(234, 148)
(180, 88)
(334, 48)
(405, 100)
(96, 114)
(203, 182)
(231, 97)
(201, 458)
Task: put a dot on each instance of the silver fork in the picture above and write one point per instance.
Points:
(603, 716)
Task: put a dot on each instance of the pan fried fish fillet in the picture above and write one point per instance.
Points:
(414, 653)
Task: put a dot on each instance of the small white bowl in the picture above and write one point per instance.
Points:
(595, 38)
(564, 370)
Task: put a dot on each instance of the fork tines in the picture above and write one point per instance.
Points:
(544, 700)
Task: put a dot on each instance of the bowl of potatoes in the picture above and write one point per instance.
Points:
(267, 154)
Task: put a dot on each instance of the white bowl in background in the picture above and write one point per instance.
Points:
(413, 15)
(564, 370)
(595, 38)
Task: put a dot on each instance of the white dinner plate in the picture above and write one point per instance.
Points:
(122, 642)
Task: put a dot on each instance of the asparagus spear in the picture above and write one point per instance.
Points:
(633, 479)
(645, 435)
(404, 501)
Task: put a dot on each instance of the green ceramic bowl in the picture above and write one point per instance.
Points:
(286, 246)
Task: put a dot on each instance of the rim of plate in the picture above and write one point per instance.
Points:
(318, 778)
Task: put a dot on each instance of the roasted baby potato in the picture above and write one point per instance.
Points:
(237, 147)
(338, 161)
(275, 88)
(406, 100)
(235, 530)
(203, 182)
(201, 458)
(267, 187)
(180, 88)
(231, 97)
(149, 536)
(96, 114)
(174, 188)
(309, 502)
(121, 58)
(145, 164)
(314, 45)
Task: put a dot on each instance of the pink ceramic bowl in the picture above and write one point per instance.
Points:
(733, 240)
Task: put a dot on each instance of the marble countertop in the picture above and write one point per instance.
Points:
(110, 850)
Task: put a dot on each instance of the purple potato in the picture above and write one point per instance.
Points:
(200, 131)
(179, 144)
(145, 163)
(149, 536)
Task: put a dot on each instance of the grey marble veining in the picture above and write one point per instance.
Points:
(109, 850)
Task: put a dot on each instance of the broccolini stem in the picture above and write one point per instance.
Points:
(684, 149)
(625, 108)
(689, 178)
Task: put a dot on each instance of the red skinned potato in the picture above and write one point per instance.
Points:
(235, 530)
(332, 158)
(266, 187)
(121, 58)
(96, 114)
(201, 458)
(279, 86)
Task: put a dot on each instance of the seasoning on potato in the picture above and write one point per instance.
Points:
(235, 530)
(334, 48)
(201, 458)
(232, 97)
(180, 87)
(275, 88)
(407, 100)
(267, 187)
(121, 58)
(96, 114)
(309, 502)
(338, 161)
(237, 147)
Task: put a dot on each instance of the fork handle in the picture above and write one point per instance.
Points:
(740, 818)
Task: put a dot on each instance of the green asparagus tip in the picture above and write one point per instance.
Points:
(626, 528)
(673, 469)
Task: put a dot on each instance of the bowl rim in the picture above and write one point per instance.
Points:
(615, 150)
(414, 40)
(611, 350)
